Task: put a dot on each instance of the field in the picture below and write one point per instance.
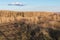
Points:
(29, 25)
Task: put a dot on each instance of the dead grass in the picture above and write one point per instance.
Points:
(29, 25)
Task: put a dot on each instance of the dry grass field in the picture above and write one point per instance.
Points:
(29, 25)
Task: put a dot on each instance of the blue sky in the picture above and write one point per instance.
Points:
(31, 5)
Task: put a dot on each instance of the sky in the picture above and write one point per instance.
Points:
(30, 5)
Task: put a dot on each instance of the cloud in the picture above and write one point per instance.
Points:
(16, 4)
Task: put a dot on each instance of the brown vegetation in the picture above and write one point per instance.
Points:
(29, 25)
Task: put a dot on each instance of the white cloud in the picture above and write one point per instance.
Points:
(16, 4)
